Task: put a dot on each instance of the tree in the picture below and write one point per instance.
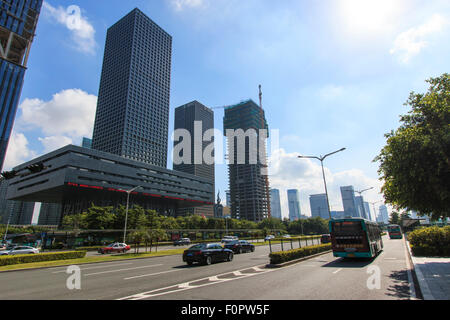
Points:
(395, 218)
(414, 164)
(100, 218)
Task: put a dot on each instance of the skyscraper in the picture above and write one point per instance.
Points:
(349, 202)
(133, 102)
(383, 213)
(275, 204)
(319, 205)
(360, 207)
(367, 209)
(294, 204)
(18, 20)
(193, 117)
(249, 189)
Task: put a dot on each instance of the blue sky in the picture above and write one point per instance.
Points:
(334, 74)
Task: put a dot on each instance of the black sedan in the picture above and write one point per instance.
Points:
(207, 253)
(240, 246)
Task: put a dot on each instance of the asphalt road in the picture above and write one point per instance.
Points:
(323, 277)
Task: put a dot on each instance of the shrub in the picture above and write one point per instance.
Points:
(284, 256)
(430, 241)
(51, 256)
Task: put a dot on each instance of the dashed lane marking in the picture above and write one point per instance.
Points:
(126, 269)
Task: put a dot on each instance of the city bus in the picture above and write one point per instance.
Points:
(394, 231)
(355, 238)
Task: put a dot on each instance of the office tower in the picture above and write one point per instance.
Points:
(196, 119)
(337, 214)
(228, 198)
(319, 205)
(294, 204)
(249, 187)
(367, 209)
(87, 143)
(359, 200)
(18, 20)
(349, 201)
(17, 212)
(275, 203)
(133, 102)
(383, 213)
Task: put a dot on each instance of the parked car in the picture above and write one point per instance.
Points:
(19, 250)
(269, 237)
(287, 236)
(326, 238)
(2, 247)
(207, 253)
(115, 247)
(240, 246)
(226, 239)
(182, 241)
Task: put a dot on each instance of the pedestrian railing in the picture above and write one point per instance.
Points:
(284, 244)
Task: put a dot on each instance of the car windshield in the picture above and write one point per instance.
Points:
(198, 247)
(233, 242)
(111, 245)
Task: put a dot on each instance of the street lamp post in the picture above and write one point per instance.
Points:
(323, 173)
(362, 201)
(126, 211)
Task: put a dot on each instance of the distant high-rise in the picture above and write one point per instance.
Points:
(349, 201)
(367, 209)
(18, 20)
(193, 117)
(275, 204)
(319, 205)
(87, 143)
(360, 207)
(249, 191)
(228, 199)
(133, 101)
(383, 214)
(294, 204)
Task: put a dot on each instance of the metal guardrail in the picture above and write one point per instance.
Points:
(293, 243)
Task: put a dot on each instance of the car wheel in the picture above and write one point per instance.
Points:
(230, 256)
(189, 263)
(208, 260)
(253, 249)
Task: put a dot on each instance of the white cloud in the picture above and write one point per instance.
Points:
(70, 113)
(18, 151)
(290, 172)
(83, 33)
(180, 5)
(409, 43)
(54, 142)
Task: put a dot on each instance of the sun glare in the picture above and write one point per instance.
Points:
(368, 15)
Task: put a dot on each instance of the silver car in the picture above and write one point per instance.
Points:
(20, 250)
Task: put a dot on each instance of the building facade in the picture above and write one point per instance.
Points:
(349, 202)
(383, 214)
(14, 212)
(319, 205)
(133, 101)
(367, 210)
(195, 119)
(76, 178)
(18, 20)
(248, 181)
(275, 204)
(294, 204)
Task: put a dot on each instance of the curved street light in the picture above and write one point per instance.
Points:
(323, 172)
(126, 211)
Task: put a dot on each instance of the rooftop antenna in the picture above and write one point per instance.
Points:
(260, 97)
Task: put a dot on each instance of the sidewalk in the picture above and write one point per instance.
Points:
(433, 275)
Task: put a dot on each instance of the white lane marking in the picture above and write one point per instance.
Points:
(97, 267)
(237, 273)
(390, 258)
(150, 274)
(102, 272)
(185, 286)
(337, 270)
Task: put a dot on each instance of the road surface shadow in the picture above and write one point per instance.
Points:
(349, 263)
(400, 287)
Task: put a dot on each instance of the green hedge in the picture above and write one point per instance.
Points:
(38, 257)
(430, 241)
(284, 256)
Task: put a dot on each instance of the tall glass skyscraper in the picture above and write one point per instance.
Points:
(319, 205)
(132, 116)
(349, 201)
(193, 117)
(18, 20)
(275, 204)
(294, 204)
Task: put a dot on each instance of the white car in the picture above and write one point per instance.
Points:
(287, 236)
(20, 250)
(269, 237)
(229, 238)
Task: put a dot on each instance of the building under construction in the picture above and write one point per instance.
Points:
(247, 169)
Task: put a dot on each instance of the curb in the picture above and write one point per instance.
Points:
(280, 265)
